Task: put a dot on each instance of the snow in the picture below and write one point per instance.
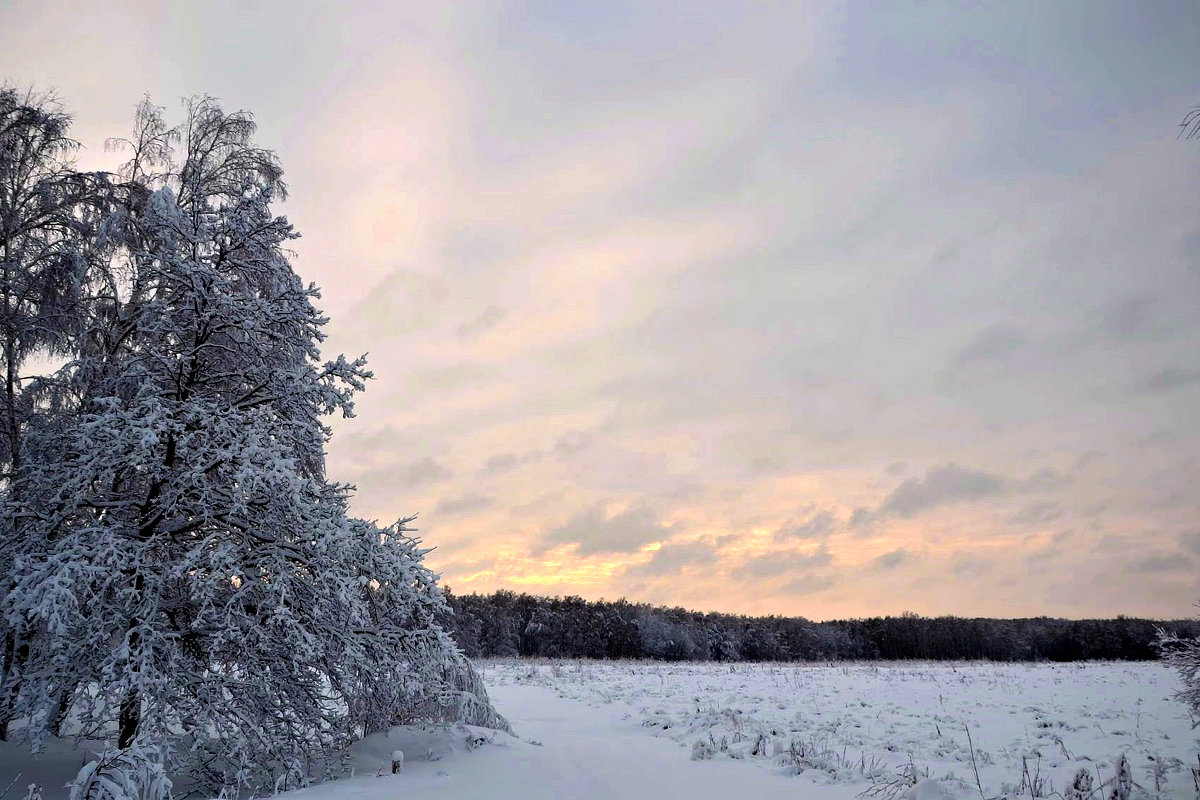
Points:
(59, 762)
(629, 729)
(885, 731)
(565, 750)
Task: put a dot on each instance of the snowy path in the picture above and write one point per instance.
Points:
(586, 752)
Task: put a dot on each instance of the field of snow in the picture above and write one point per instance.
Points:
(876, 731)
(879, 727)
(881, 731)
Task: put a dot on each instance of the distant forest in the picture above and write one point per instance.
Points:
(509, 624)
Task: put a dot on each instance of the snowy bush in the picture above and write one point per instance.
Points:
(135, 773)
(1122, 783)
(1081, 786)
(912, 783)
(703, 750)
(1184, 655)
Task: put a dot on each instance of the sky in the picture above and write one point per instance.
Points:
(828, 309)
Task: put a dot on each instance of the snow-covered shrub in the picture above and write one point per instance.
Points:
(802, 755)
(1184, 655)
(1081, 787)
(135, 773)
(898, 786)
(1122, 783)
(703, 750)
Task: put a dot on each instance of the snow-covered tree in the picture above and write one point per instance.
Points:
(185, 569)
(48, 218)
(1183, 653)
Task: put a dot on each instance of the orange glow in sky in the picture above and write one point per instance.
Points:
(829, 311)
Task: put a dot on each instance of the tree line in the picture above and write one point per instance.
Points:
(506, 624)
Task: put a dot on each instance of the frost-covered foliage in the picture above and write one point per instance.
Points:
(135, 773)
(1183, 653)
(182, 573)
(48, 216)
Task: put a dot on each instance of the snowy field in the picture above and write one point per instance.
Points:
(877, 731)
(878, 727)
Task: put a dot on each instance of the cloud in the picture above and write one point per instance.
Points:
(991, 344)
(422, 471)
(861, 518)
(1157, 437)
(778, 563)
(673, 557)
(815, 527)
(970, 565)
(1045, 549)
(945, 485)
(662, 278)
(1044, 480)
(501, 463)
(891, 560)
(1039, 512)
(465, 504)
(539, 504)
(950, 485)
(807, 584)
(488, 319)
(595, 532)
(1128, 318)
(1162, 562)
(572, 443)
(469, 566)
(762, 465)
(1167, 380)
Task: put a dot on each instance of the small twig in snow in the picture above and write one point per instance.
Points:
(974, 766)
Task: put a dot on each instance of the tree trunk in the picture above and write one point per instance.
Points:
(10, 398)
(129, 718)
(12, 424)
(8, 691)
(60, 713)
